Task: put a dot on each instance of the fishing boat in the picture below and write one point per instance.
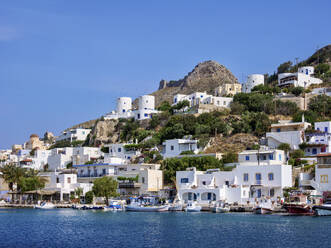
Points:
(192, 207)
(298, 205)
(220, 207)
(138, 207)
(176, 207)
(264, 208)
(45, 205)
(323, 210)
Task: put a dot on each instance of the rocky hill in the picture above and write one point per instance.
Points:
(206, 76)
(322, 55)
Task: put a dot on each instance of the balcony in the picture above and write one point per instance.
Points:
(93, 175)
(129, 185)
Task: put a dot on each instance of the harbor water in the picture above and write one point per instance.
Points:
(79, 228)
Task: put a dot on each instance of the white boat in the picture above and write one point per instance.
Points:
(45, 205)
(264, 208)
(114, 206)
(323, 210)
(192, 207)
(220, 207)
(176, 207)
(137, 207)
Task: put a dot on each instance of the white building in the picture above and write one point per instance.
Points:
(259, 174)
(75, 134)
(288, 132)
(320, 141)
(121, 152)
(64, 184)
(252, 81)
(174, 147)
(321, 91)
(150, 177)
(146, 108)
(61, 157)
(198, 98)
(40, 159)
(302, 78)
(322, 180)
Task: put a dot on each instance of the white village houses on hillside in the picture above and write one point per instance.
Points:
(258, 174)
(302, 78)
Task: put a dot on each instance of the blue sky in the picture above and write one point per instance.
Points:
(64, 62)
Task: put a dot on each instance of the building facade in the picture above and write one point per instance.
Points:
(75, 134)
(174, 147)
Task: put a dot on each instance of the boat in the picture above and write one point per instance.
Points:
(176, 207)
(45, 205)
(220, 207)
(113, 206)
(138, 207)
(264, 208)
(192, 207)
(298, 205)
(323, 210)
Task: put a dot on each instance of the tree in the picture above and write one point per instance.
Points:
(297, 91)
(321, 105)
(297, 154)
(285, 67)
(89, 197)
(12, 174)
(31, 183)
(105, 187)
(322, 68)
(78, 192)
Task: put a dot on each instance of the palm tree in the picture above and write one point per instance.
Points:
(12, 174)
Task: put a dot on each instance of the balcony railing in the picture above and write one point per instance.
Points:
(126, 185)
(93, 175)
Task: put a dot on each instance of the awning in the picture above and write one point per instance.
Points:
(42, 192)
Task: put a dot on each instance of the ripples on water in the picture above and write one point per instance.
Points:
(78, 228)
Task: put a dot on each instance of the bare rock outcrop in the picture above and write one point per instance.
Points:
(103, 132)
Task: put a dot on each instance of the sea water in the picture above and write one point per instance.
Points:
(79, 228)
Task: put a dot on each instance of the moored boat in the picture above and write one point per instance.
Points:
(220, 207)
(264, 208)
(323, 210)
(45, 205)
(192, 207)
(298, 205)
(137, 207)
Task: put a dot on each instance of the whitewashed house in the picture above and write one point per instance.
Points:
(64, 184)
(319, 141)
(292, 133)
(321, 181)
(302, 78)
(75, 134)
(200, 98)
(174, 147)
(120, 151)
(258, 174)
(150, 177)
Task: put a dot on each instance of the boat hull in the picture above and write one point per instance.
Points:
(193, 209)
(220, 210)
(263, 211)
(146, 209)
(299, 210)
(322, 211)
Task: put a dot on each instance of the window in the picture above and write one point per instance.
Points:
(247, 158)
(271, 157)
(272, 192)
(103, 171)
(224, 103)
(57, 180)
(175, 100)
(69, 180)
(326, 129)
(314, 151)
(245, 177)
(123, 110)
(172, 148)
(324, 179)
(119, 149)
(258, 178)
(184, 180)
(308, 149)
(278, 130)
(146, 115)
(204, 183)
(143, 180)
(138, 116)
(280, 157)
(271, 176)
